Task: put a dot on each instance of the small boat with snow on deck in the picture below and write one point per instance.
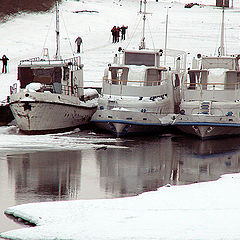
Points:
(140, 94)
(52, 97)
(210, 105)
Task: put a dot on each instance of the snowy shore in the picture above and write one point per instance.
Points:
(199, 211)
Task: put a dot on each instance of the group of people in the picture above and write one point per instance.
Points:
(117, 31)
(4, 59)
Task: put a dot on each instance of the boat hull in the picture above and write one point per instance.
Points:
(44, 117)
(206, 127)
(37, 113)
(122, 123)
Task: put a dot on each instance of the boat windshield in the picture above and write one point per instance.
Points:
(216, 62)
(47, 76)
(141, 58)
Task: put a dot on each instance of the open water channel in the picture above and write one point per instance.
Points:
(89, 165)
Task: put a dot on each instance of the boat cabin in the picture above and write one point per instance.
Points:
(221, 71)
(134, 80)
(214, 74)
(135, 76)
(56, 76)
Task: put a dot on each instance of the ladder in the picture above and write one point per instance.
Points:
(205, 107)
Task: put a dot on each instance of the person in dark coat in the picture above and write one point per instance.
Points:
(114, 34)
(4, 60)
(79, 42)
(123, 31)
(118, 33)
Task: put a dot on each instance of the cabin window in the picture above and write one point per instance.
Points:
(25, 76)
(119, 75)
(46, 76)
(153, 78)
(65, 73)
(197, 78)
(232, 80)
(147, 59)
(43, 76)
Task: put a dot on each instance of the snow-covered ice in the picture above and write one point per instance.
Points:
(198, 211)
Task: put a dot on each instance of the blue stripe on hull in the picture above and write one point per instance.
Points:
(130, 123)
(207, 124)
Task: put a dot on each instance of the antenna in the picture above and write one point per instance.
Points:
(140, 10)
(221, 51)
(57, 56)
(143, 45)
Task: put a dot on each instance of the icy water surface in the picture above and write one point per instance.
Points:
(88, 165)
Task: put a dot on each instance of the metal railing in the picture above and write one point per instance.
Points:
(124, 82)
(236, 85)
(71, 90)
(74, 63)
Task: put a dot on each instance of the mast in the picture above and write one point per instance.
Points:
(143, 45)
(166, 32)
(57, 56)
(221, 48)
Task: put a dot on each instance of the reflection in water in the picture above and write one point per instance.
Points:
(144, 164)
(206, 160)
(106, 173)
(45, 176)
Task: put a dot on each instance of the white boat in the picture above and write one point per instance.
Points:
(210, 105)
(51, 96)
(138, 94)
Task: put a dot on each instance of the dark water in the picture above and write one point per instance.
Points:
(107, 168)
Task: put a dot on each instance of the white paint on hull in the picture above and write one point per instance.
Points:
(41, 112)
(48, 116)
(123, 122)
(208, 126)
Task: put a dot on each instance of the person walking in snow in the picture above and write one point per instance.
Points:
(123, 32)
(4, 60)
(78, 41)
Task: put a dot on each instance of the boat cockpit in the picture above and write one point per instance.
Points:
(135, 76)
(55, 76)
(219, 79)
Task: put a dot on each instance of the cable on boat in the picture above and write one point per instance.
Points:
(67, 33)
(47, 34)
(150, 34)
(133, 33)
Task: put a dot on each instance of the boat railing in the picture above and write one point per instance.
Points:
(139, 83)
(203, 86)
(71, 90)
(74, 63)
(212, 91)
(141, 88)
